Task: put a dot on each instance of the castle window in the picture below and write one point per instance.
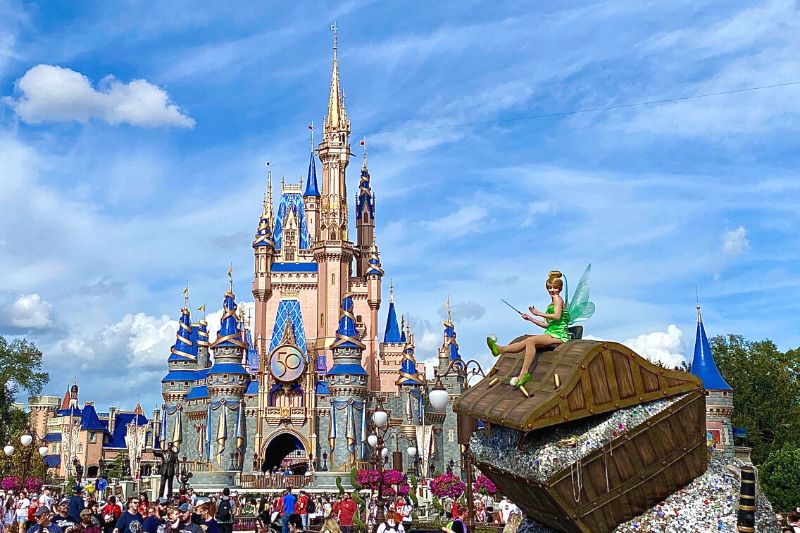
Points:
(347, 378)
(358, 318)
(92, 437)
(333, 278)
(172, 383)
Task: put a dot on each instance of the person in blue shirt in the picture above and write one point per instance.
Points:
(43, 524)
(288, 504)
(76, 505)
(156, 516)
(130, 521)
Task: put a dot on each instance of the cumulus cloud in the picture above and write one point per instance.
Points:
(735, 241)
(135, 341)
(665, 347)
(30, 311)
(464, 311)
(49, 93)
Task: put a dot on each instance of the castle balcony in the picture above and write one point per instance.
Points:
(295, 416)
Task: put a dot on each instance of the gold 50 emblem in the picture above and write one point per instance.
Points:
(286, 363)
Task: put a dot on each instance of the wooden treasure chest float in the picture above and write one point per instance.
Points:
(599, 435)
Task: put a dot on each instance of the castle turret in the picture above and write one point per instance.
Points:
(409, 376)
(182, 361)
(365, 218)
(348, 385)
(719, 395)
(311, 195)
(264, 252)
(374, 276)
(203, 359)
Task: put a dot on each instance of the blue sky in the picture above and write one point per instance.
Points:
(133, 141)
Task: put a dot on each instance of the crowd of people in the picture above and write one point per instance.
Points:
(49, 511)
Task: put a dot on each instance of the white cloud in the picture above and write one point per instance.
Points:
(135, 341)
(49, 93)
(30, 311)
(465, 220)
(735, 241)
(665, 347)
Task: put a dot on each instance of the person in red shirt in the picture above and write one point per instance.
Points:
(345, 510)
(302, 508)
(110, 514)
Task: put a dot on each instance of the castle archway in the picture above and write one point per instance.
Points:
(285, 451)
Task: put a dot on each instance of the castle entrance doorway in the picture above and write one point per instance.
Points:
(285, 454)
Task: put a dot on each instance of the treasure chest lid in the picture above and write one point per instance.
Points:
(594, 377)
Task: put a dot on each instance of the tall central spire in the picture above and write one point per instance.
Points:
(337, 116)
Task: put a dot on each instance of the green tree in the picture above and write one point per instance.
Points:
(765, 385)
(779, 476)
(20, 370)
(116, 468)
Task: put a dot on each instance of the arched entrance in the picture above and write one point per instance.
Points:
(285, 451)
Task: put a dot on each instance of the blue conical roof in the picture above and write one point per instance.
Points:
(450, 340)
(311, 182)
(183, 348)
(229, 333)
(703, 365)
(365, 201)
(347, 335)
(392, 333)
(409, 375)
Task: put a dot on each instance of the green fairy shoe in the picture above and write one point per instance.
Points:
(491, 342)
(522, 381)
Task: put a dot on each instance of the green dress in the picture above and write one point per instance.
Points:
(558, 328)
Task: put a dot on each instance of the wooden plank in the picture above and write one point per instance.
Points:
(612, 375)
(622, 370)
(600, 388)
(649, 380)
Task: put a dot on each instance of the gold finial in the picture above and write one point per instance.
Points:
(448, 309)
(363, 144)
(391, 291)
(311, 127)
(268, 196)
(203, 309)
(186, 295)
(697, 296)
(230, 277)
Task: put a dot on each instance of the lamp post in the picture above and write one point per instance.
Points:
(380, 425)
(439, 398)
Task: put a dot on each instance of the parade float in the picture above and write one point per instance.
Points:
(597, 438)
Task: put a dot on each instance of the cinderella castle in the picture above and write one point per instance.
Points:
(296, 390)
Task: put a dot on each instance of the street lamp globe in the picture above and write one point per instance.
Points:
(26, 439)
(42, 450)
(8, 450)
(372, 440)
(380, 418)
(411, 451)
(439, 396)
(385, 452)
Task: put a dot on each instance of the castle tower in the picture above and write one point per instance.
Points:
(311, 195)
(409, 376)
(719, 395)
(264, 253)
(227, 381)
(391, 348)
(365, 218)
(203, 359)
(333, 251)
(348, 386)
(182, 362)
(374, 275)
(447, 438)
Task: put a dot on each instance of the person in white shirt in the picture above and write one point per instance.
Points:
(46, 499)
(391, 525)
(22, 510)
(505, 509)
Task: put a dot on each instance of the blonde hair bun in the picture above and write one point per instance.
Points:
(554, 279)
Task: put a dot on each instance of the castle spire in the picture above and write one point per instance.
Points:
(337, 116)
(450, 345)
(229, 334)
(392, 333)
(183, 348)
(409, 376)
(347, 334)
(703, 365)
(312, 189)
(264, 235)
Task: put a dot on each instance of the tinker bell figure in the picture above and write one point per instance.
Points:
(558, 317)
